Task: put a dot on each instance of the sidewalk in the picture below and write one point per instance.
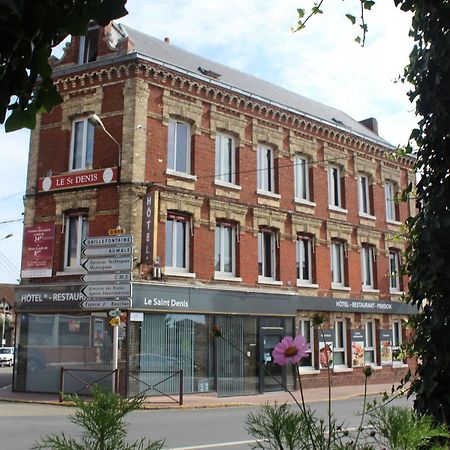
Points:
(211, 400)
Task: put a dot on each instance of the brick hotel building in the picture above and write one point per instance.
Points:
(250, 206)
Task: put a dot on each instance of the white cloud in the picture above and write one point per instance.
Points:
(321, 62)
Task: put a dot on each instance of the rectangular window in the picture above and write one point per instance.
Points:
(364, 195)
(340, 344)
(306, 330)
(334, 186)
(301, 173)
(76, 229)
(177, 242)
(267, 254)
(304, 260)
(389, 191)
(82, 146)
(337, 264)
(225, 249)
(179, 147)
(265, 169)
(369, 345)
(88, 47)
(394, 271)
(367, 257)
(225, 159)
(397, 340)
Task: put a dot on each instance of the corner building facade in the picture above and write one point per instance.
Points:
(251, 207)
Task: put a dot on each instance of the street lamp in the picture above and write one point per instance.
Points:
(3, 304)
(97, 122)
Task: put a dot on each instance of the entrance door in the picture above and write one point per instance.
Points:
(273, 376)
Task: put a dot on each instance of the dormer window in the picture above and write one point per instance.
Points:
(88, 47)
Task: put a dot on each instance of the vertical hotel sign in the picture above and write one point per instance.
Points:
(149, 227)
(37, 254)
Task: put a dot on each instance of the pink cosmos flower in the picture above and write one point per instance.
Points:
(290, 350)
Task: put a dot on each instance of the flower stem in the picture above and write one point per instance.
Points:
(363, 412)
(307, 417)
(329, 388)
(261, 366)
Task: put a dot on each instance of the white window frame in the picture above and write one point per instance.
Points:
(364, 195)
(340, 325)
(306, 328)
(334, 187)
(301, 176)
(389, 196)
(397, 339)
(172, 149)
(265, 169)
(367, 262)
(223, 172)
(86, 41)
(370, 348)
(337, 264)
(304, 258)
(262, 263)
(82, 231)
(394, 272)
(87, 148)
(174, 242)
(220, 228)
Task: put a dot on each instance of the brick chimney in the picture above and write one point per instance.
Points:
(370, 123)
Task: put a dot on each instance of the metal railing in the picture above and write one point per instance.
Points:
(158, 386)
(87, 384)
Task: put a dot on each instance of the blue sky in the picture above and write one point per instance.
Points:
(322, 62)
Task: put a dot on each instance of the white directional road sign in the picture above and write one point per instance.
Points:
(107, 251)
(106, 304)
(110, 264)
(102, 277)
(108, 240)
(107, 290)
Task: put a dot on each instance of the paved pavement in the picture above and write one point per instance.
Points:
(211, 400)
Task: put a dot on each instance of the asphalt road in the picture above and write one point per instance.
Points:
(221, 428)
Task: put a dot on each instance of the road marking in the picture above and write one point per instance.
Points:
(223, 444)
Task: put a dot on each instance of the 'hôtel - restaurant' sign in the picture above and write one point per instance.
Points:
(70, 180)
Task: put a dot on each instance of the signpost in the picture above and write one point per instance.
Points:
(117, 290)
(102, 277)
(109, 264)
(105, 304)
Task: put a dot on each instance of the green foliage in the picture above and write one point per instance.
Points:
(103, 425)
(402, 428)
(29, 29)
(278, 427)
(428, 252)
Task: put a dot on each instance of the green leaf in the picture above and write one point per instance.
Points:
(42, 65)
(21, 119)
(358, 40)
(77, 25)
(107, 11)
(368, 4)
(16, 6)
(351, 18)
(300, 12)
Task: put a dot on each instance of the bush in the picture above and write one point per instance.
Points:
(102, 421)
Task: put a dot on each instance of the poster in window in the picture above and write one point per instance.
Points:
(386, 347)
(358, 338)
(326, 348)
(99, 331)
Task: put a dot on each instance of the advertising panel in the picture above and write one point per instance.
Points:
(326, 340)
(386, 347)
(37, 253)
(358, 338)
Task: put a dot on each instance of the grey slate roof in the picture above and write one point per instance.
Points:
(178, 58)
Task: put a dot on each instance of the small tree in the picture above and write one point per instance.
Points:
(102, 421)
